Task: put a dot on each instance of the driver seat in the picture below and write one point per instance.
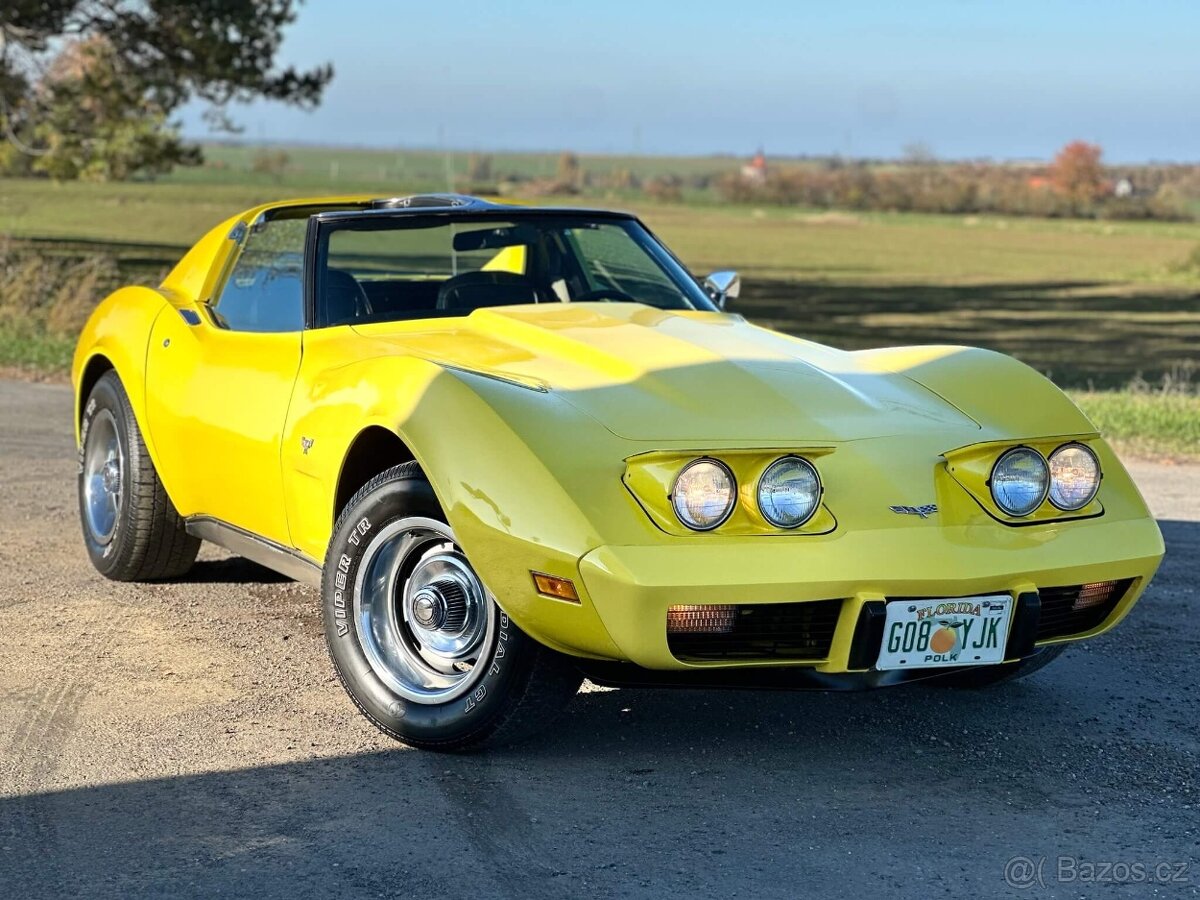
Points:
(345, 299)
(477, 290)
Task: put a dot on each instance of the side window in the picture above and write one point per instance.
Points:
(264, 290)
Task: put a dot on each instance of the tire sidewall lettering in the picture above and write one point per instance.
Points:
(343, 586)
(495, 669)
(84, 427)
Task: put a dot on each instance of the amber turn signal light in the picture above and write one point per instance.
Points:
(708, 619)
(556, 588)
(1094, 594)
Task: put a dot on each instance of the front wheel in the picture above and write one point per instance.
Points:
(416, 639)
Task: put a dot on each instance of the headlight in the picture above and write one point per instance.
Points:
(704, 494)
(1074, 476)
(789, 492)
(1020, 480)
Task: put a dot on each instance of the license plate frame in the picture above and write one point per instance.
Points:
(978, 626)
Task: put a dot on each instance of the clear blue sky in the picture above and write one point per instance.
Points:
(968, 78)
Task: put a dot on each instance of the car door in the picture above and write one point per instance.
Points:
(218, 386)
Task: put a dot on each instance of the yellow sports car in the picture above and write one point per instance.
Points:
(520, 446)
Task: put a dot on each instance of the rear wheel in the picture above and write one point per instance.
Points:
(416, 639)
(130, 527)
(986, 676)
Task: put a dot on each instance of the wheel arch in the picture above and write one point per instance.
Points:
(373, 450)
(93, 371)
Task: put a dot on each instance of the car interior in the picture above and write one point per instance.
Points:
(502, 265)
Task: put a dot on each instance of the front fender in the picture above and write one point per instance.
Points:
(519, 497)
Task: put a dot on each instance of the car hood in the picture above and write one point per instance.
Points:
(656, 375)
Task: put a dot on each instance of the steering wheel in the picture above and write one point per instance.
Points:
(609, 295)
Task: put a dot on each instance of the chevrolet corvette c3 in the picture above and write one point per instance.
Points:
(518, 446)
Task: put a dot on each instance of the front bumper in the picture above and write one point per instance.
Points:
(632, 587)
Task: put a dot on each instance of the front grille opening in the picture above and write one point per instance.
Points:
(750, 631)
(1077, 608)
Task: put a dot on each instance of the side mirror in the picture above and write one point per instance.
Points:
(723, 286)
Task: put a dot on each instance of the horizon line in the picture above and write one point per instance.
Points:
(236, 141)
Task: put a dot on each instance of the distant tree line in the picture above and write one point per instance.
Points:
(1076, 184)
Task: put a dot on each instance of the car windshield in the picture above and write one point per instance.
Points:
(378, 269)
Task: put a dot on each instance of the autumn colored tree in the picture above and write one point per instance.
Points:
(1077, 173)
(97, 125)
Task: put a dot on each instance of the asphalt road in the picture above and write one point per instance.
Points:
(189, 739)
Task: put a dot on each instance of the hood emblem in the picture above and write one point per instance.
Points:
(923, 511)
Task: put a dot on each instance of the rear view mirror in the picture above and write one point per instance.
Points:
(723, 286)
(495, 238)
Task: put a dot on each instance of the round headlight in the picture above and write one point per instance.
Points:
(704, 494)
(789, 492)
(1020, 480)
(1074, 476)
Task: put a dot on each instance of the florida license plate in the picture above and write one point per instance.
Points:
(968, 631)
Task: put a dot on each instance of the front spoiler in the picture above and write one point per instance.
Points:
(774, 678)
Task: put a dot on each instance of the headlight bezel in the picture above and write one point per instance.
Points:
(650, 476)
(1050, 468)
(1015, 514)
(758, 488)
(733, 493)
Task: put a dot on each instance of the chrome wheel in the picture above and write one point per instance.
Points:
(103, 473)
(424, 619)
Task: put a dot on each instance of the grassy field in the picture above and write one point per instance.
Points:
(1147, 423)
(1095, 305)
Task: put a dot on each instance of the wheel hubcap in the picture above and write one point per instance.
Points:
(103, 472)
(441, 606)
(424, 619)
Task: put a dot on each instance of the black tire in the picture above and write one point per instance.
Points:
(525, 684)
(987, 676)
(147, 541)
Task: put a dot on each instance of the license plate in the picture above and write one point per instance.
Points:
(969, 631)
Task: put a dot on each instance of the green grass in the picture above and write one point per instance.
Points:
(36, 355)
(1147, 423)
